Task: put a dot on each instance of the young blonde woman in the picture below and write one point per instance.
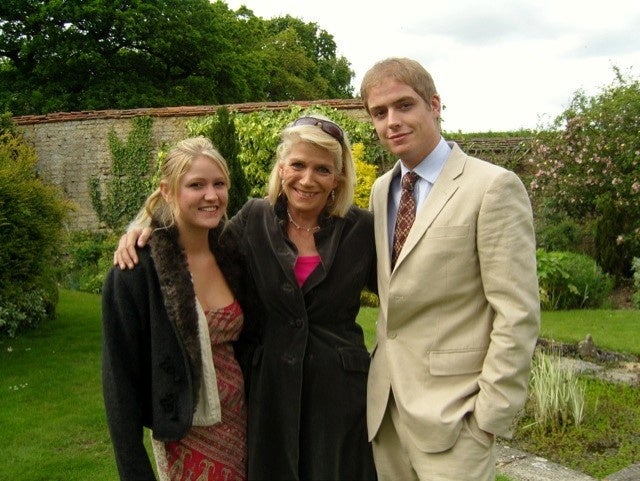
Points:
(169, 324)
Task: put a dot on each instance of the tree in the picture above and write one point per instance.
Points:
(94, 54)
(223, 136)
(303, 61)
(588, 164)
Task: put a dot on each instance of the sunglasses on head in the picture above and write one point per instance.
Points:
(327, 126)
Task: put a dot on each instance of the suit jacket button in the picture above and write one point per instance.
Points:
(392, 334)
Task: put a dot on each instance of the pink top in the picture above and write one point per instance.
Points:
(304, 267)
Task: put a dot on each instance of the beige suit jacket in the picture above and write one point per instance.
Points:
(459, 314)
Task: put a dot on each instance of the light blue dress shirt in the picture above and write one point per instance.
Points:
(428, 171)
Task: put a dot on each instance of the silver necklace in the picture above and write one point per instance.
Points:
(299, 227)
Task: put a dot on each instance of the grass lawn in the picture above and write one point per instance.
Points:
(51, 411)
(52, 419)
(612, 330)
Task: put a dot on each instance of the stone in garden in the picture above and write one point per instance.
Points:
(587, 348)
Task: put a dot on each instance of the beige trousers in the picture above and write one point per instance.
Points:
(472, 458)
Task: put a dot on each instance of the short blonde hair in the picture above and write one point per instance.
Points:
(405, 70)
(342, 161)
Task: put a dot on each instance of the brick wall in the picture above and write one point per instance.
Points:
(72, 152)
(73, 146)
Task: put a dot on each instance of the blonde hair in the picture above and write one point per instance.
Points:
(404, 70)
(175, 166)
(342, 199)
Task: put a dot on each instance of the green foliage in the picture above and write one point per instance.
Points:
(159, 53)
(612, 251)
(556, 231)
(22, 309)
(369, 299)
(635, 267)
(367, 318)
(86, 259)
(258, 135)
(588, 162)
(31, 216)
(569, 280)
(221, 131)
(7, 125)
(556, 393)
(365, 174)
(302, 62)
(606, 440)
(128, 184)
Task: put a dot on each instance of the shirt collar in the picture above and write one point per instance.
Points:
(430, 167)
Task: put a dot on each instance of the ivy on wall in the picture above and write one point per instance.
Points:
(117, 200)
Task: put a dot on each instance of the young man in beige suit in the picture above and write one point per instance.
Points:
(459, 308)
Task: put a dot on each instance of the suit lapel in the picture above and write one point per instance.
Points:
(381, 218)
(444, 188)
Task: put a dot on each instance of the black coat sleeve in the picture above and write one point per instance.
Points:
(125, 370)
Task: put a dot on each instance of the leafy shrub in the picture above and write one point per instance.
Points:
(588, 163)
(259, 134)
(86, 260)
(614, 250)
(31, 216)
(569, 280)
(635, 266)
(369, 299)
(22, 309)
(365, 174)
(557, 231)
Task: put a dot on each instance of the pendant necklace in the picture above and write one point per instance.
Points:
(299, 227)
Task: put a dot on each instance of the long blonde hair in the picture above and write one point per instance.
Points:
(176, 165)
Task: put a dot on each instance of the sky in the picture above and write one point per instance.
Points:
(499, 65)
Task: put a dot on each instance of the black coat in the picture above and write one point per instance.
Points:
(308, 375)
(152, 366)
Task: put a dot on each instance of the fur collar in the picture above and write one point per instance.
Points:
(177, 287)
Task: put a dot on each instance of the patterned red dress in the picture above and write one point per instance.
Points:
(219, 452)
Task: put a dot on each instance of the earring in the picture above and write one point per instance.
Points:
(333, 195)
